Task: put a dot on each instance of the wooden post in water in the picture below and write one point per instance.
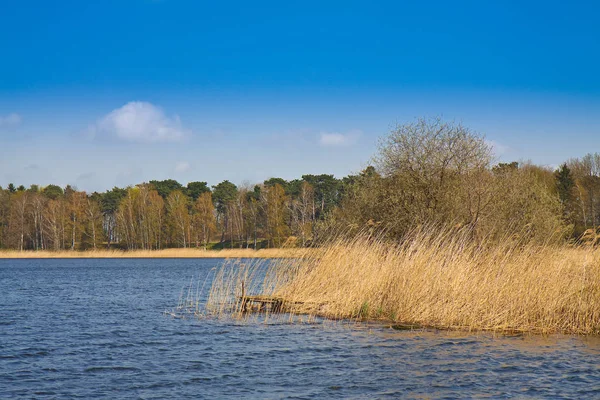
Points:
(244, 299)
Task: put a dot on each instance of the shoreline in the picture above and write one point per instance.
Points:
(432, 279)
(164, 253)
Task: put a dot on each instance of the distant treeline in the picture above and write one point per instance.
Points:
(426, 172)
(161, 214)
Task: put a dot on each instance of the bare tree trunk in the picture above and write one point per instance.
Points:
(73, 236)
(94, 234)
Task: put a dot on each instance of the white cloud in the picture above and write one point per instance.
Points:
(335, 139)
(182, 166)
(10, 120)
(140, 122)
(497, 148)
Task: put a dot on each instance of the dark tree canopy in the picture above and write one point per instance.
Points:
(195, 189)
(111, 199)
(223, 193)
(254, 194)
(165, 187)
(294, 187)
(352, 181)
(52, 192)
(327, 190)
(274, 181)
(564, 183)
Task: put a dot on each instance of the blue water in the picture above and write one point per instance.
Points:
(96, 329)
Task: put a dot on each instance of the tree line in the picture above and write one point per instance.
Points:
(433, 172)
(163, 214)
(425, 172)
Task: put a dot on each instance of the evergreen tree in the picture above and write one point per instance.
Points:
(564, 184)
(195, 189)
(164, 188)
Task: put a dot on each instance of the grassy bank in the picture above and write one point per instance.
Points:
(441, 280)
(165, 253)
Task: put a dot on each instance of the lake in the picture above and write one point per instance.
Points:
(95, 328)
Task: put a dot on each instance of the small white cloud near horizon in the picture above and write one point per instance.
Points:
(335, 139)
(182, 166)
(11, 119)
(497, 148)
(140, 122)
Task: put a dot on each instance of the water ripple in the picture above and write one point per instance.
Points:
(94, 329)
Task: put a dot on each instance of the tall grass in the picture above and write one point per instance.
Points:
(439, 278)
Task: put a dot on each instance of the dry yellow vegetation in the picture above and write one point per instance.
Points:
(165, 253)
(435, 279)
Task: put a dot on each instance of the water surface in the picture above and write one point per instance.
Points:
(87, 329)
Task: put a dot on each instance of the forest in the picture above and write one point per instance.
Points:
(428, 172)
(166, 214)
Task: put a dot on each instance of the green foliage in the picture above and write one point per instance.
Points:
(165, 187)
(276, 181)
(523, 202)
(52, 192)
(223, 193)
(294, 187)
(351, 182)
(195, 189)
(434, 172)
(253, 195)
(564, 184)
(428, 172)
(111, 199)
(327, 191)
(363, 311)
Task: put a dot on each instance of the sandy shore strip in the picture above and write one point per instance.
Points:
(164, 253)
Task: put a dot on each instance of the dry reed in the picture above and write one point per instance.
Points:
(164, 253)
(440, 279)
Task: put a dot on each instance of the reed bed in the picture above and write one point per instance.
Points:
(432, 278)
(164, 253)
(237, 280)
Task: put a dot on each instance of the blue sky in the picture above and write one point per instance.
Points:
(97, 94)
